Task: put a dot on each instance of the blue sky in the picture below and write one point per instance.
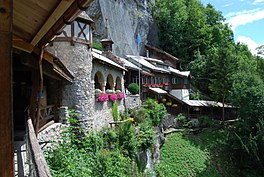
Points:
(246, 18)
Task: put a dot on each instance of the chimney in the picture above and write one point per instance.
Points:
(107, 45)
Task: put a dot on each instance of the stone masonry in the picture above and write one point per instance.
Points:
(80, 95)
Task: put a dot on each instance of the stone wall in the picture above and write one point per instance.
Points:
(77, 95)
(80, 95)
(132, 101)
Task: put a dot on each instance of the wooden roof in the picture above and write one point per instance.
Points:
(36, 22)
(151, 48)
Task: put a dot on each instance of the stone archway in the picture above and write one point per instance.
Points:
(118, 84)
(109, 83)
(98, 80)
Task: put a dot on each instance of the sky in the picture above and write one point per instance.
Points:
(246, 18)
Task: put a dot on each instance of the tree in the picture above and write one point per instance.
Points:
(223, 63)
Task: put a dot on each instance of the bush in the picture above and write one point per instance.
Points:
(115, 111)
(145, 136)
(97, 45)
(205, 121)
(141, 115)
(127, 139)
(157, 112)
(133, 88)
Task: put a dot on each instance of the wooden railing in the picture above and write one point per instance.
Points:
(37, 162)
(46, 114)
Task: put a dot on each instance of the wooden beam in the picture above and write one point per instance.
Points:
(20, 44)
(6, 116)
(75, 9)
(53, 18)
(40, 90)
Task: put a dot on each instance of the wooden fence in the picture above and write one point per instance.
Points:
(37, 164)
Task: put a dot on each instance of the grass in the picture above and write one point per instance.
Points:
(202, 155)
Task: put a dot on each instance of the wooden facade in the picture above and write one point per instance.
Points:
(6, 127)
(27, 26)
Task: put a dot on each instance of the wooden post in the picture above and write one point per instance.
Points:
(34, 93)
(6, 111)
(40, 90)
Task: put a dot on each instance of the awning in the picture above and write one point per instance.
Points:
(147, 73)
(158, 91)
(204, 103)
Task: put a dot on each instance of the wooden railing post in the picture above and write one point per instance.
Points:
(40, 90)
(6, 117)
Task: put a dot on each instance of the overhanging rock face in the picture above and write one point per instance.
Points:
(126, 18)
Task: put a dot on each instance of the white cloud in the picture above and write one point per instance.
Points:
(247, 16)
(227, 5)
(252, 45)
(258, 1)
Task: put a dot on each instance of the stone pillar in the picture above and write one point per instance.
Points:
(77, 95)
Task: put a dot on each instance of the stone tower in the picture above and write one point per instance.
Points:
(73, 47)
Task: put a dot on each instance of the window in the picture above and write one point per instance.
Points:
(175, 80)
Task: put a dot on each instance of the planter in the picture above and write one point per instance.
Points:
(102, 97)
(112, 97)
(168, 104)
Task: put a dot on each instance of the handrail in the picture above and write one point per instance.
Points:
(36, 157)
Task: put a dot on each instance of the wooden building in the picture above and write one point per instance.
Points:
(29, 75)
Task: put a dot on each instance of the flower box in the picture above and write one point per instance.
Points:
(113, 97)
(168, 104)
(97, 93)
(121, 96)
(174, 105)
(166, 83)
(102, 97)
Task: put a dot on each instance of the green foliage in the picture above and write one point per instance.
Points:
(113, 163)
(183, 122)
(181, 158)
(145, 136)
(68, 160)
(133, 88)
(156, 112)
(127, 139)
(200, 155)
(97, 45)
(115, 111)
(141, 116)
(93, 155)
(205, 121)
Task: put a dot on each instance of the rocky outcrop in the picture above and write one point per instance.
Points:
(125, 19)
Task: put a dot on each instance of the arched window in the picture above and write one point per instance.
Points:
(110, 82)
(98, 80)
(118, 84)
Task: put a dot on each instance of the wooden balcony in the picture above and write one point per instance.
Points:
(47, 114)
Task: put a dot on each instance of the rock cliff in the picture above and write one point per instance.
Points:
(125, 19)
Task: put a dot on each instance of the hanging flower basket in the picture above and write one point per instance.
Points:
(163, 100)
(174, 105)
(102, 98)
(113, 97)
(168, 104)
